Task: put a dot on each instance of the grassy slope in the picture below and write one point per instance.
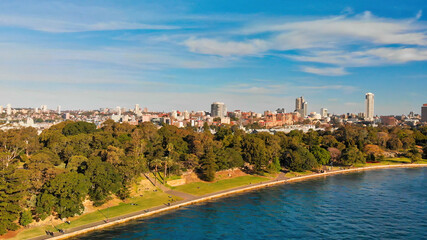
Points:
(390, 161)
(201, 188)
(150, 199)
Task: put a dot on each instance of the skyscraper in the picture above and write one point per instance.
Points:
(218, 109)
(8, 109)
(323, 112)
(58, 109)
(424, 113)
(369, 104)
(301, 106)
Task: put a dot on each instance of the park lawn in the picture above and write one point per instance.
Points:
(150, 199)
(201, 188)
(297, 174)
(390, 161)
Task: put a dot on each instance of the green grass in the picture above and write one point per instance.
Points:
(150, 199)
(390, 161)
(201, 188)
(297, 174)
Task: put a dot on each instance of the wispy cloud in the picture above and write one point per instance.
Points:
(327, 71)
(345, 41)
(55, 26)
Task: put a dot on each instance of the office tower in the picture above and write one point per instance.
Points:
(186, 115)
(218, 109)
(43, 108)
(298, 104)
(174, 114)
(119, 110)
(58, 109)
(424, 113)
(323, 112)
(137, 109)
(369, 104)
(301, 106)
(1, 109)
(8, 109)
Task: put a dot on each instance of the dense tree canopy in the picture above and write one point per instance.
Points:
(52, 173)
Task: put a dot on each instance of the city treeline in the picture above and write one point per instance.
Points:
(54, 172)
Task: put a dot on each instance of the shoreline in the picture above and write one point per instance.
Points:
(246, 188)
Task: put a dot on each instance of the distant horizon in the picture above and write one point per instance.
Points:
(187, 54)
(51, 108)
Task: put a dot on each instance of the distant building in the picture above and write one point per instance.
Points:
(58, 109)
(137, 109)
(1, 109)
(301, 106)
(218, 109)
(9, 109)
(424, 113)
(43, 108)
(281, 110)
(389, 120)
(369, 104)
(323, 112)
(186, 115)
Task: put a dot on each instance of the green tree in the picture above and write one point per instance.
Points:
(300, 159)
(351, 156)
(322, 155)
(414, 154)
(11, 193)
(208, 166)
(75, 128)
(255, 152)
(228, 158)
(105, 180)
(25, 218)
(75, 163)
(64, 194)
(156, 163)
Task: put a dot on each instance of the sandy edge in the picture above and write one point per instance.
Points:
(229, 192)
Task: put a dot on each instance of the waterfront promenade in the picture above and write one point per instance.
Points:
(189, 199)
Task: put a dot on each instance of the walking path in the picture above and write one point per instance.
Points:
(190, 199)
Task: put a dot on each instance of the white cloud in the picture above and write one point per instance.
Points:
(399, 55)
(327, 40)
(344, 30)
(58, 26)
(327, 71)
(225, 48)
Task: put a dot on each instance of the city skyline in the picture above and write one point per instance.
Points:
(249, 55)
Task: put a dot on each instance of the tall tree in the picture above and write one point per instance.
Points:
(11, 193)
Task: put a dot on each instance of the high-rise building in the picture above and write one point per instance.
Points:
(9, 109)
(119, 110)
(186, 115)
(137, 109)
(43, 108)
(58, 109)
(174, 114)
(1, 109)
(218, 109)
(301, 106)
(424, 113)
(323, 112)
(369, 104)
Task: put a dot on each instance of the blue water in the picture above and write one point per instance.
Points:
(380, 204)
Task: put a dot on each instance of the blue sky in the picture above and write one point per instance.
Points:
(252, 55)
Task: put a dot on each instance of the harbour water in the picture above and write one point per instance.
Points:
(378, 204)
